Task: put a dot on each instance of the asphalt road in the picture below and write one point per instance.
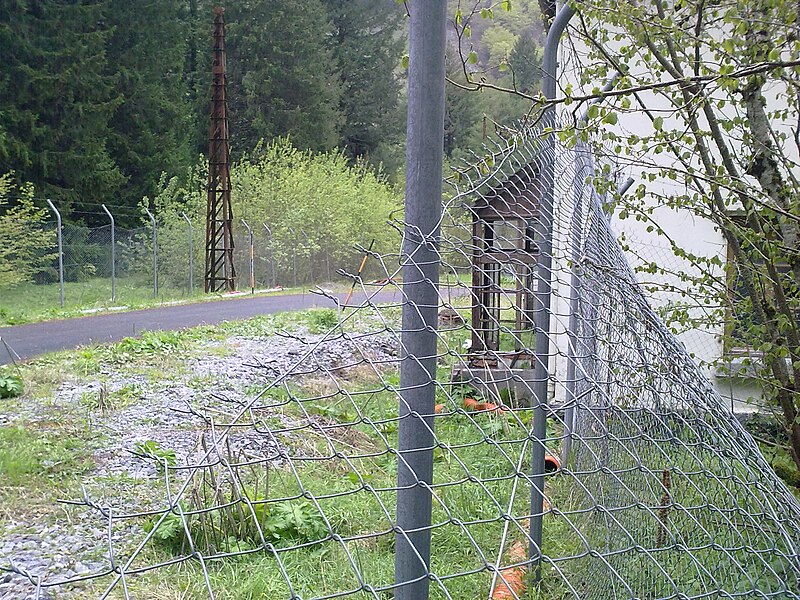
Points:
(27, 341)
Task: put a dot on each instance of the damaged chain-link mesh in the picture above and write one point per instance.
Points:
(652, 488)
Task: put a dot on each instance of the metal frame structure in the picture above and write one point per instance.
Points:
(220, 273)
(502, 238)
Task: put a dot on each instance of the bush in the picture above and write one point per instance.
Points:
(335, 204)
(10, 385)
(322, 319)
(27, 240)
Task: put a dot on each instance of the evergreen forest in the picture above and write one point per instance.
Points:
(102, 101)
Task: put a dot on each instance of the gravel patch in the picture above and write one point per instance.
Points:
(184, 416)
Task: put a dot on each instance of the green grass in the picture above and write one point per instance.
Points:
(355, 495)
(350, 473)
(27, 455)
(39, 464)
(30, 303)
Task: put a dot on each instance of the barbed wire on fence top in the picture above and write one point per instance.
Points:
(653, 489)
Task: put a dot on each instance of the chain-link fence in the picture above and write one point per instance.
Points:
(109, 265)
(573, 449)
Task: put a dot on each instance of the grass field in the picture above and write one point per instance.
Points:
(28, 303)
(31, 302)
(355, 493)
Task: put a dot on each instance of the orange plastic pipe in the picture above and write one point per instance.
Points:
(511, 581)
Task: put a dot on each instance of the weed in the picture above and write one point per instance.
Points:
(461, 391)
(163, 457)
(10, 385)
(86, 361)
(8, 317)
(296, 522)
(322, 320)
(170, 532)
(25, 454)
(148, 344)
(337, 411)
(106, 401)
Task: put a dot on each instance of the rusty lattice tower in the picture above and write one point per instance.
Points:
(220, 271)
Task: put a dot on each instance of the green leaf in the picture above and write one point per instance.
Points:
(404, 62)
(610, 118)
(472, 58)
(658, 123)
(10, 385)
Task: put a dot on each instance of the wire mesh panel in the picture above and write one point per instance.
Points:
(292, 492)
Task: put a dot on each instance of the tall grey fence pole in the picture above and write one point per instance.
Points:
(60, 251)
(113, 256)
(271, 256)
(544, 241)
(191, 253)
(252, 257)
(583, 169)
(294, 257)
(306, 247)
(421, 261)
(155, 252)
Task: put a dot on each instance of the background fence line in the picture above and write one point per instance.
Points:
(90, 266)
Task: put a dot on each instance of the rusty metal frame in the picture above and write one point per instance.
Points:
(220, 272)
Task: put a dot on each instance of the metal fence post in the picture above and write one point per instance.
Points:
(191, 253)
(113, 256)
(584, 168)
(271, 256)
(294, 256)
(544, 241)
(306, 247)
(421, 260)
(252, 258)
(155, 252)
(60, 251)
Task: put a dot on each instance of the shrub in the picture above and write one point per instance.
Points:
(10, 385)
(27, 241)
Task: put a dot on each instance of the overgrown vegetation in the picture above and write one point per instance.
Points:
(29, 457)
(318, 209)
(328, 509)
(729, 160)
(10, 384)
(26, 243)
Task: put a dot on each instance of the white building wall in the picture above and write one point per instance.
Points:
(691, 232)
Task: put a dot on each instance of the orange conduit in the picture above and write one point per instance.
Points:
(472, 404)
(360, 269)
(551, 462)
(511, 581)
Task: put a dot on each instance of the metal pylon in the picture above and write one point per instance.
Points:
(220, 272)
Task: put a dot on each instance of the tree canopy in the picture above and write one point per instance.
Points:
(98, 98)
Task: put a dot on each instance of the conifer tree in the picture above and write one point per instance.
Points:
(368, 49)
(56, 98)
(281, 74)
(151, 129)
